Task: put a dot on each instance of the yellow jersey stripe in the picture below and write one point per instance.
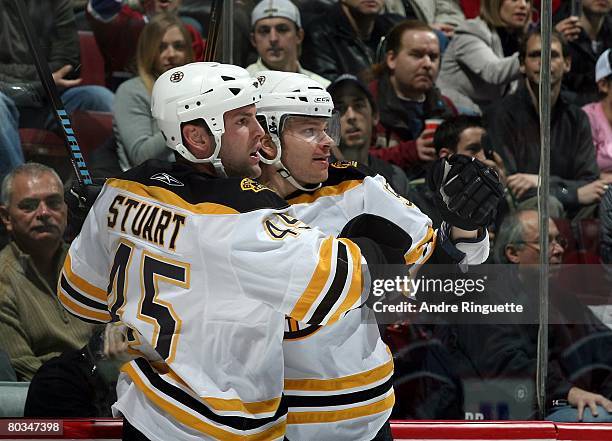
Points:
(330, 416)
(333, 190)
(170, 198)
(337, 384)
(430, 252)
(415, 254)
(356, 286)
(195, 423)
(78, 310)
(82, 284)
(317, 282)
(233, 404)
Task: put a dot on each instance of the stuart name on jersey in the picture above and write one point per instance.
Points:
(151, 222)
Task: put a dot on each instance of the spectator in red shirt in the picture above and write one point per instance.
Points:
(117, 27)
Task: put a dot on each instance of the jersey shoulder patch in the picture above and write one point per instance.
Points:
(341, 171)
(240, 194)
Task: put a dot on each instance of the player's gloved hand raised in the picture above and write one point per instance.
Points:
(466, 192)
(80, 199)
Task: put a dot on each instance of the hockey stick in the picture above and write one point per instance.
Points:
(76, 157)
(214, 25)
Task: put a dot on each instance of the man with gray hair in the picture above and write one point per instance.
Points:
(277, 35)
(33, 325)
(578, 388)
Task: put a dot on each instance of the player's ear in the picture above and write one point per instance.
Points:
(197, 140)
(268, 148)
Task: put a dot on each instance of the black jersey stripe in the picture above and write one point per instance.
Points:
(335, 289)
(300, 333)
(235, 422)
(80, 298)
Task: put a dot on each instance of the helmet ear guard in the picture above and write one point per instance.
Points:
(200, 91)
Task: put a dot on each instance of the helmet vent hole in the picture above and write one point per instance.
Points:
(226, 78)
(173, 138)
(198, 103)
(186, 107)
(234, 90)
(304, 99)
(208, 91)
(316, 109)
(164, 135)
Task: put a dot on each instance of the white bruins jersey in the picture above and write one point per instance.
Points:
(338, 378)
(204, 270)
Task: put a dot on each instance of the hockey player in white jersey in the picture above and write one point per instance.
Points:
(204, 268)
(338, 378)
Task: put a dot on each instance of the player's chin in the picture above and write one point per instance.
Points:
(319, 177)
(253, 171)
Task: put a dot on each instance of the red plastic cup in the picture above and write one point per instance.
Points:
(432, 124)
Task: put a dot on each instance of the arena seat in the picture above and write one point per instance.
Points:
(92, 129)
(92, 62)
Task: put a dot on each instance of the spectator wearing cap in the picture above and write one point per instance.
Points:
(277, 35)
(600, 117)
(358, 119)
(344, 38)
(600, 114)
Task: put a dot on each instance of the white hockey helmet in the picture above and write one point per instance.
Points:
(286, 94)
(200, 91)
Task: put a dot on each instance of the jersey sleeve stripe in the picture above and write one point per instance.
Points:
(80, 298)
(81, 312)
(82, 284)
(170, 198)
(234, 405)
(336, 288)
(153, 393)
(317, 282)
(430, 251)
(331, 416)
(351, 398)
(334, 190)
(416, 252)
(342, 383)
(356, 288)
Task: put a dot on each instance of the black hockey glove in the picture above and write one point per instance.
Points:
(466, 192)
(80, 199)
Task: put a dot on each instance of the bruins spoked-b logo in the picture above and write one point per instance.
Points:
(344, 164)
(176, 76)
(248, 184)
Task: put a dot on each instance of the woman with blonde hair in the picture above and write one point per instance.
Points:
(481, 62)
(163, 44)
